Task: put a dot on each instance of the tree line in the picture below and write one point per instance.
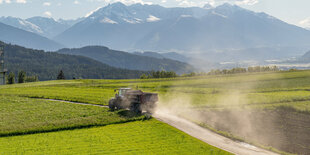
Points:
(21, 78)
(238, 70)
(159, 74)
(244, 70)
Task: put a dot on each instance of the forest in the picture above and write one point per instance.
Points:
(47, 65)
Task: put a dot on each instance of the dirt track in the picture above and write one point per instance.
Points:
(210, 137)
(200, 133)
(97, 105)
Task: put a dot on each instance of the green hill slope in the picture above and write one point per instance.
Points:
(47, 65)
(129, 61)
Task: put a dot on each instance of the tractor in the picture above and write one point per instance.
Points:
(134, 100)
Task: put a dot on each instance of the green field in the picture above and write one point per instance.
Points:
(20, 115)
(264, 89)
(147, 137)
(275, 105)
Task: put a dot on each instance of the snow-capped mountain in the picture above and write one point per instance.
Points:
(21, 24)
(51, 27)
(118, 13)
(13, 35)
(153, 27)
(208, 6)
(47, 27)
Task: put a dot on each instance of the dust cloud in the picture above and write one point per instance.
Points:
(269, 128)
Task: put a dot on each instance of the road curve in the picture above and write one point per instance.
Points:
(201, 133)
(210, 137)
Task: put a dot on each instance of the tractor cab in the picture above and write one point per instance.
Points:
(121, 92)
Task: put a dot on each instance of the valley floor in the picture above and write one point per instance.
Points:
(270, 110)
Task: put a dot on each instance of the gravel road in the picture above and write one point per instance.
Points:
(210, 137)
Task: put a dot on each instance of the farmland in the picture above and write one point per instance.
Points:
(149, 137)
(25, 115)
(262, 89)
(274, 105)
(36, 126)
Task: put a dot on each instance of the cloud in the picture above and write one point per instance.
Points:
(47, 4)
(21, 1)
(76, 2)
(10, 1)
(305, 23)
(192, 3)
(127, 2)
(48, 14)
(246, 2)
(201, 3)
(187, 3)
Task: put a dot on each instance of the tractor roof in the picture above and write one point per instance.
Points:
(134, 92)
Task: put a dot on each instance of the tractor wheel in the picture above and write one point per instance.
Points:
(135, 107)
(112, 104)
(138, 109)
(118, 105)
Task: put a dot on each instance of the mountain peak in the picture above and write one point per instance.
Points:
(41, 18)
(227, 9)
(227, 6)
(117, 5)
(207, 6)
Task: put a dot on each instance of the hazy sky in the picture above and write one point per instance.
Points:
(292, 11)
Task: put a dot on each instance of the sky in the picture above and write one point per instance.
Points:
(292, 11)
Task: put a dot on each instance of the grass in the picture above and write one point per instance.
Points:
(265, 89)
(272, 91)
(140, 137)
(20, 115)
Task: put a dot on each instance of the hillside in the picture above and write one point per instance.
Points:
(129, 61)
(47, 65)
(168, 55)
(24, 38)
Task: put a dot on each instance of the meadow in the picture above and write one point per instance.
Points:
(140, 137)
(266, 90)
(275, 103)
(19, 115)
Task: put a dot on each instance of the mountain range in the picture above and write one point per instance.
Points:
(211, 34)
(167, 55)
(130, 61)
(10, 34)
(155, 28)
(47, 27)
